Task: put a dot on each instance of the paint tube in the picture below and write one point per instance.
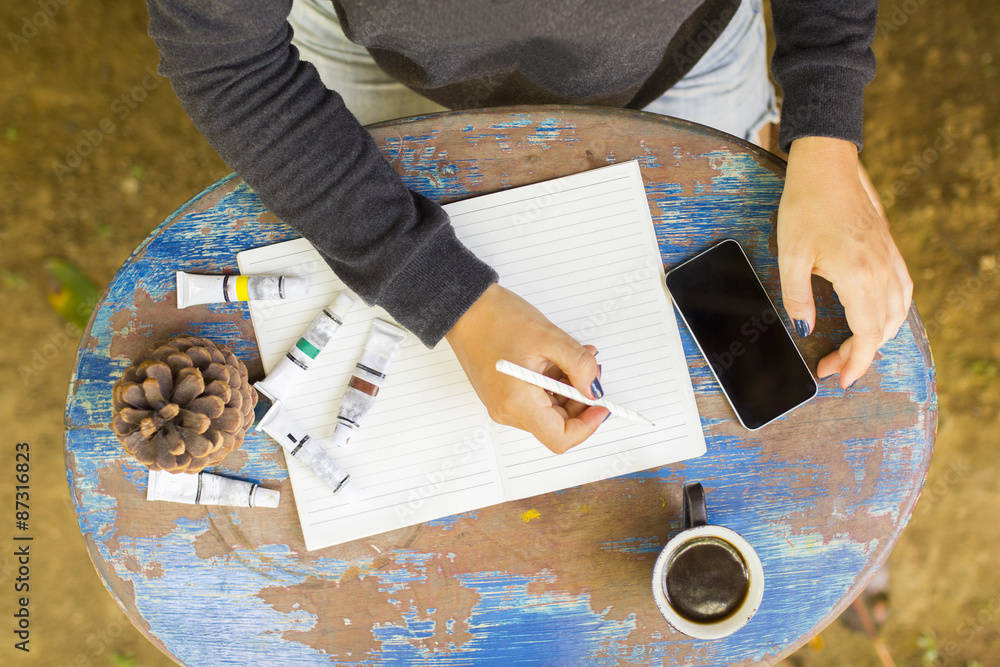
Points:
(194, 289)
(382, 344)
(291, 367)
(279, 423)
(208, 489)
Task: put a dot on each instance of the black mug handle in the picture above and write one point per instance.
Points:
(695, 512)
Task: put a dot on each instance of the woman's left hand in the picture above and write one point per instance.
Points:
(827, 225)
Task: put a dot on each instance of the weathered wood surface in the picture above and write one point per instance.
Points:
(822, 495)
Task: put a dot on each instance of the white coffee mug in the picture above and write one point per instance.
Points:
(696, 527)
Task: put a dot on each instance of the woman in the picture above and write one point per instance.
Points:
(286, 125)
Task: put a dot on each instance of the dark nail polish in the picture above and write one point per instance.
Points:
(595, 388)
(606, 418)
(802, 328)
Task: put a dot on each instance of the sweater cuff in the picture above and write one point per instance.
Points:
(822, 102)
(434, 289)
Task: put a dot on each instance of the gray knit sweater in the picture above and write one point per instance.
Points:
(271, 118)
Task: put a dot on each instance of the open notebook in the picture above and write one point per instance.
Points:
(583, 251)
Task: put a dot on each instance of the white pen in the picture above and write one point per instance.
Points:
(556, 387)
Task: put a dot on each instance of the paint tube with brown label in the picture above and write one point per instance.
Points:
(369, 374)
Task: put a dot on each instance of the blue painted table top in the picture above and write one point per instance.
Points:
(564, 578)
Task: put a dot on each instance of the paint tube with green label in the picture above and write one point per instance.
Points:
(194, 289)
(298, 359)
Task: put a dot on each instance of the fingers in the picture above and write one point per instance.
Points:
(830, 223)
(566, 423)
(857, 353)
(569, 407)
(796, 291)
(904, 277)
(558, 426)
(859, 358)
(560, 432)
(576, 361)
(874, 316)
(900, 293)
(833, 362)
(502, 325)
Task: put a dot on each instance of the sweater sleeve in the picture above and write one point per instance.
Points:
(271, 118)
(823, 61)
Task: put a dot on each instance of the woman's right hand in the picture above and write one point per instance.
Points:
(502, 325)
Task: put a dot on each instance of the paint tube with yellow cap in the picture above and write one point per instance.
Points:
(194, 289)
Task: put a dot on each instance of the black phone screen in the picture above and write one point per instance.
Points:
(740, 333)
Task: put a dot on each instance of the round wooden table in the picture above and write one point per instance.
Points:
(823, 494)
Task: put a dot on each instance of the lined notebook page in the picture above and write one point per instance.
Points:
(581, 249)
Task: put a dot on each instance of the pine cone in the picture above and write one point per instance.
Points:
(184, 405)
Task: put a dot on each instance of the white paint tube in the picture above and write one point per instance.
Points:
(382, 344)
(194, 289)
(208, 489)
(281, 425)
(296, 361)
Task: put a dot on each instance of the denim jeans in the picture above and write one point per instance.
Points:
(370, 94)
(727, 89)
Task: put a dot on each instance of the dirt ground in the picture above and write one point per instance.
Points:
(73, 73)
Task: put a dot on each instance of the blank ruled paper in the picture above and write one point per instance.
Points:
(583, 251)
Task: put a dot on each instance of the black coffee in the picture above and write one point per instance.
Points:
(706, 580)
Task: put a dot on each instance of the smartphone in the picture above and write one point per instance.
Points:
(741, 335)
